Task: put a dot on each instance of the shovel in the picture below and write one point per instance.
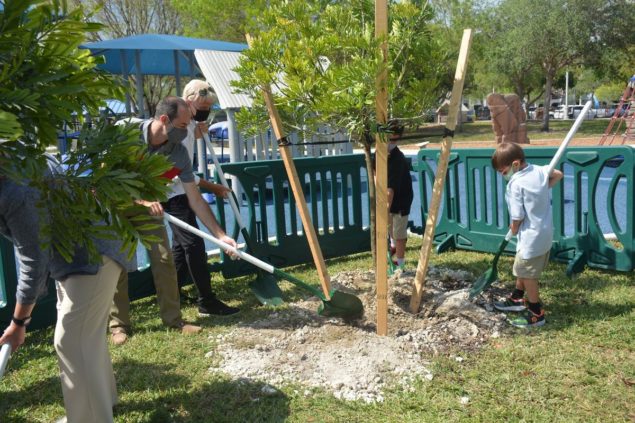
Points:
(491, 274)
(265, 286)
(5, 353)
(340, 303)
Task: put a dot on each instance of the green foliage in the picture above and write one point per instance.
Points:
(549, 36)
(45, 80)
(321, 59)
(526, 43)
(219, 19)
(610, 92)
(451, 18)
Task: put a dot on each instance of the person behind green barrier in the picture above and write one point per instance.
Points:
(190, 257)
(399, 194)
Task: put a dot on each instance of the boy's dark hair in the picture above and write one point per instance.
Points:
(506, 153)
(395, 128)
(169, 106)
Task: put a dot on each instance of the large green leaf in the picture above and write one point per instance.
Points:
(46, 80)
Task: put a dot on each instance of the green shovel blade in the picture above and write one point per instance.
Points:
(342, 305)
(483, 282)
(266, 289)
(490, 276)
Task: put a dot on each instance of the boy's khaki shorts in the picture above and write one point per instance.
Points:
(399, 225)
(530, 268)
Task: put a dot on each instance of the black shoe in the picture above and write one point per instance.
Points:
(214, 306)
(186, 299)
(510, 304)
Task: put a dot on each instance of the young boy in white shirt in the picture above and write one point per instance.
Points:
(527, 197)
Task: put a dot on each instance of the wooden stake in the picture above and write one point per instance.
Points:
(298, 193)
(442, 168)
(381, 154)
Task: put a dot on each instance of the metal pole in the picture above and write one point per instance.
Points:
(126, 79)
(235, 152)
(566, 96)
(177, 72)
(140, 107)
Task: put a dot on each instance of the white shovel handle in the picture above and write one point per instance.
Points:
(570, 134)
(5, 353)
(251, 259)
(223, 181)
(556, 157)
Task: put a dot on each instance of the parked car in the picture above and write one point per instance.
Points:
(572, 112)
(611, 111)
(482, 112)
(560, 112)
(602, 112)
(589, 115)
(531, 112)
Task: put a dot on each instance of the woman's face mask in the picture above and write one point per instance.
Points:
(201, 115)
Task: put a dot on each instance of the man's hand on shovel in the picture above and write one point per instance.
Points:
(231, 253)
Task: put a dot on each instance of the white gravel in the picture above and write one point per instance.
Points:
(296, 346)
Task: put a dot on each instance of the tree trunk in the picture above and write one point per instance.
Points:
(371, 198)
(547, 102)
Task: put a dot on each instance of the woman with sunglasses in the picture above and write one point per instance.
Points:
(190, 257)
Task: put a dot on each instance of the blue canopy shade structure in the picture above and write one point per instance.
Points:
(155, 54)
(160, 54)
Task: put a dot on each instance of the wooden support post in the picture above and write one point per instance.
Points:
(381, 166)
(298, 193)
(442, 168)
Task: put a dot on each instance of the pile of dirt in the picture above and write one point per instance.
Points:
(295, 345)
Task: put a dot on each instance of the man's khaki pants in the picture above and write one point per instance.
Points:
(165, 283)
(88, 382)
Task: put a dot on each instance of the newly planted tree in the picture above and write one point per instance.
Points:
(321, 59)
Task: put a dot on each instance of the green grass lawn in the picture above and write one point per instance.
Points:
(482, 130)
(580, 367)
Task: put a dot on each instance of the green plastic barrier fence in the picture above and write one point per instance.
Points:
(598, 182)
(598, 186)
(333, 188)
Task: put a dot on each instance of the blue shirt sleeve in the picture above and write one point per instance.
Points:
(20, 222)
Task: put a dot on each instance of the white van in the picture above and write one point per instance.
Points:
(573, 112)
(560, 112)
